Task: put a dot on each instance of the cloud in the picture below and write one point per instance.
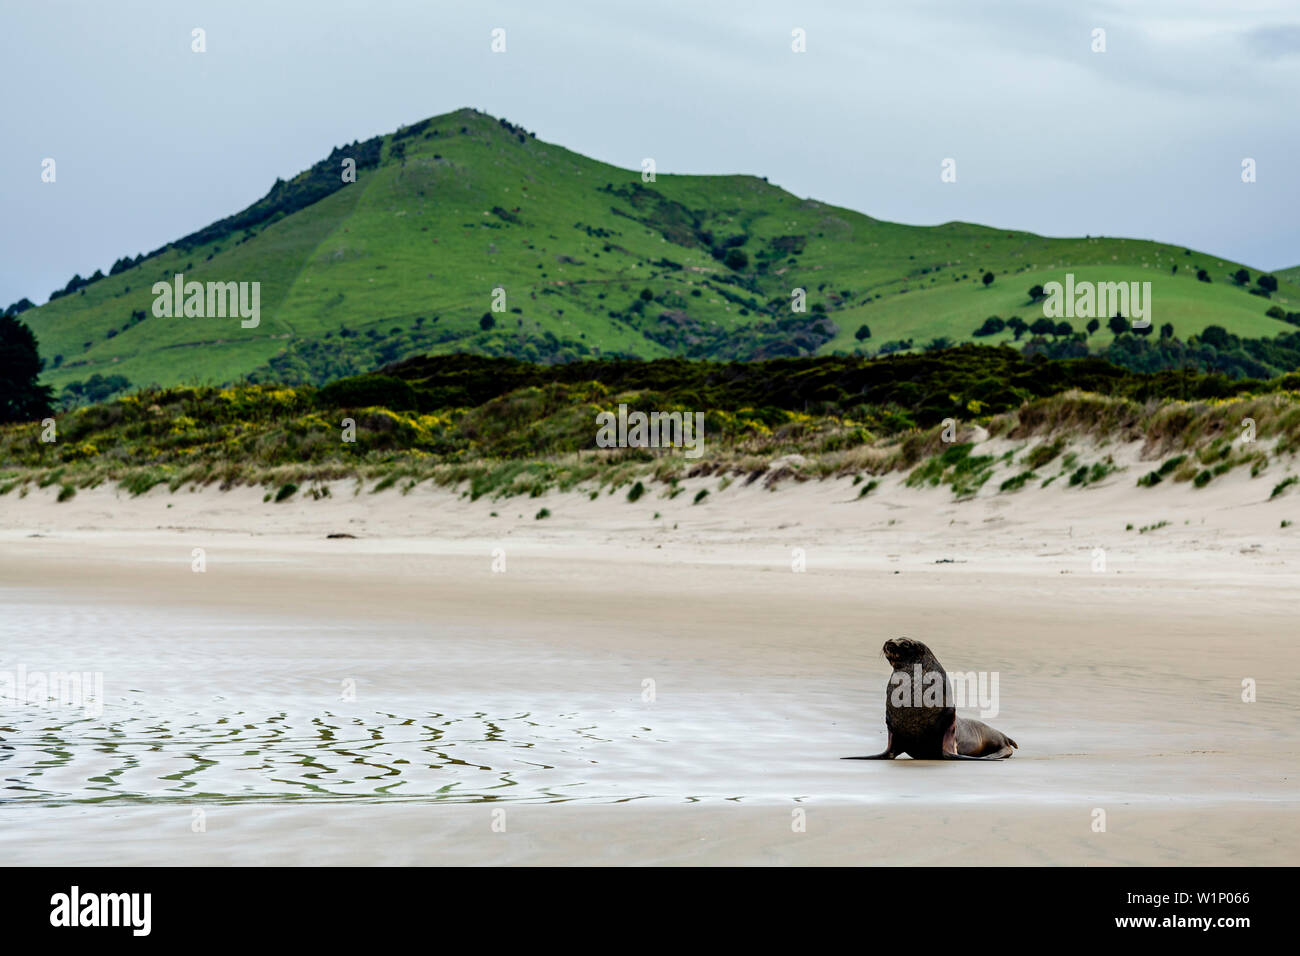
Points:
(1145, 139)
(1274, 42)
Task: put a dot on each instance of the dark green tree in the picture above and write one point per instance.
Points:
(1215, 335)
(988, 279)
(98, 388)
(22, 397)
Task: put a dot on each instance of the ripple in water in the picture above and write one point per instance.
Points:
(285, 756)
(219, 708)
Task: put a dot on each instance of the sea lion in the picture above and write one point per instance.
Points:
(922, 720)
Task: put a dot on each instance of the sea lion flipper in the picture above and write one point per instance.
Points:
(978, 741)
(949, 746)
(1000, 755)
(886, 754)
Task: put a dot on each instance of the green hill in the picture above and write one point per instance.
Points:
(594, 263)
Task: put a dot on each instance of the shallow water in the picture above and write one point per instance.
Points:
(228, 707)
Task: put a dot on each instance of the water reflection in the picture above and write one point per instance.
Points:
(283, 756)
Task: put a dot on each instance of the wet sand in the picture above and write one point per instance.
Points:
(378, 699)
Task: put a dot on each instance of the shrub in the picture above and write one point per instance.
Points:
(287, 490)
(1215, 335)
(1044, 453)
(361, 391)
(1170, 465)
(1017, 482)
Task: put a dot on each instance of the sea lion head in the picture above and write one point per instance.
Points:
(903, 652)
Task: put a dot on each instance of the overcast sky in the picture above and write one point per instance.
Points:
(153, 141)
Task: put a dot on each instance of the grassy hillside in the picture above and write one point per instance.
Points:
(594, 262)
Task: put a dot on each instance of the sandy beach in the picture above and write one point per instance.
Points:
(649, 682)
